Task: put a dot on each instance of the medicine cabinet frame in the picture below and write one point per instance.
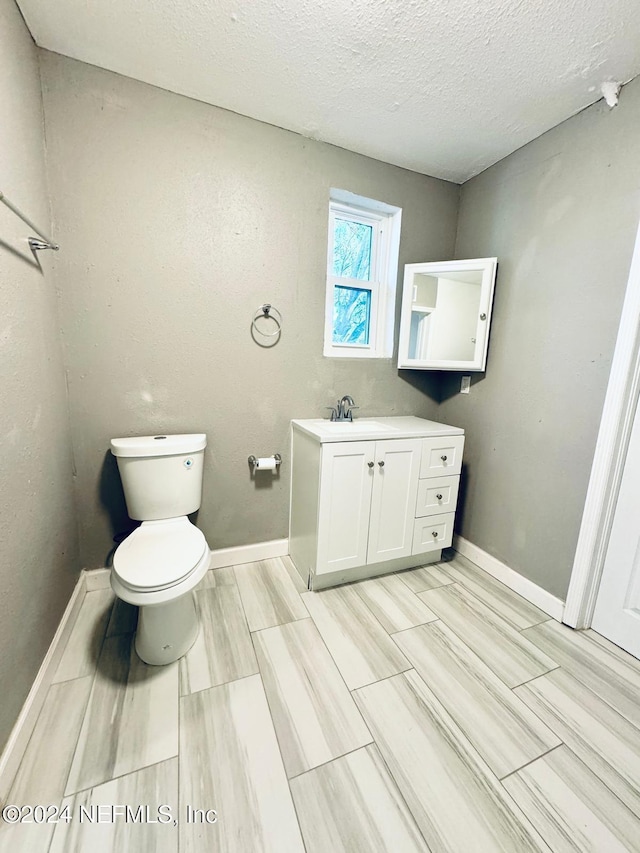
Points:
(425, 314)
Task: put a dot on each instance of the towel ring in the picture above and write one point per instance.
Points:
(268, 311)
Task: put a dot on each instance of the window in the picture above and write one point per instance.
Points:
(362, 266)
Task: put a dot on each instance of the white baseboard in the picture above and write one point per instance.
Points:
(236, 556)
(98, 579)
(533, 593)
(249, 553)
(24, 725)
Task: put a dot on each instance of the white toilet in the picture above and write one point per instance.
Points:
(160, 563)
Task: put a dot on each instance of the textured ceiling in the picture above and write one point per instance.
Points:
(443, 87)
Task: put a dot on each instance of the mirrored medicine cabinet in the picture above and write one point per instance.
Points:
(446, 313)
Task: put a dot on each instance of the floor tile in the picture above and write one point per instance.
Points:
(269, 596)
(207, 582)
(634, 663)
(27, 837)
(124, 618)
(43, 772)
(440, 739)
(425, 577)
(294, 574)
(604, 740)
(571, 808)
(230, 762)
(352, 805)
(456, 801)
(506, 603)
(512, 657)
(393, 604)
(223, 650)
(360, 646)
(499, 725)
(313, 712)
(83, 648)
(225, 576)
(218, 577)
(148, 732)
(143, 792)
(131, 719)
(615, 677)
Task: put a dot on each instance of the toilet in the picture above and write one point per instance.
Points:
(158, 565)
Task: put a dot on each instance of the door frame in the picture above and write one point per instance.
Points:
(609, 457)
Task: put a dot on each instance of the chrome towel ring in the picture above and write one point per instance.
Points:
(268, 312)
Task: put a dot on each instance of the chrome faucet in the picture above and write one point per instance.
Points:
(343, 411)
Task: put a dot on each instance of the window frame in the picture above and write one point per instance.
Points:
(385, 221)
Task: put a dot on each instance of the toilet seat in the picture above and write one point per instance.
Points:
(159, 555)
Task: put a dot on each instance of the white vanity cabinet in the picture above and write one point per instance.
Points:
(370, 497)
(366, 502)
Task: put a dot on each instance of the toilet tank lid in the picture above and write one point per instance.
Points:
(158, 445)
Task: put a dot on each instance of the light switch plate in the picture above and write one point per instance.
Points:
(465, 384)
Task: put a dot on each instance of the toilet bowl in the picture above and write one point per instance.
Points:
(158, 566)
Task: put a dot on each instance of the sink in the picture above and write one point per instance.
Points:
(372, 429)
(359, 426)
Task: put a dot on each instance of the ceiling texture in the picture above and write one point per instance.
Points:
(442, 87)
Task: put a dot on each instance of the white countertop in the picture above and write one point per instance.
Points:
(373, 429)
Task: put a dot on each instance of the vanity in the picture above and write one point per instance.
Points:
(371, 496)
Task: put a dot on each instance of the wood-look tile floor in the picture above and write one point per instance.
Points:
(432, 710)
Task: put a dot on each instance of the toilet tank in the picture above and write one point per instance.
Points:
(161, 474)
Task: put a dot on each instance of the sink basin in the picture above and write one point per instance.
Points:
(357, 426)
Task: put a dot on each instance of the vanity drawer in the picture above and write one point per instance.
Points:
(432, 533)
(436, 495)
(441, 456)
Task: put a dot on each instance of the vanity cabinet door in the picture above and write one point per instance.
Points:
(346, 481)
(393, 502)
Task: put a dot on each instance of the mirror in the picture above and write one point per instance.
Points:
(446, 312)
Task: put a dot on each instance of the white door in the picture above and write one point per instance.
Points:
(617, 613)
(393, 502)
(346, 478)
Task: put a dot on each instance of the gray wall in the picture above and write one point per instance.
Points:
(38, 536)
(561, 215)
(177, 220)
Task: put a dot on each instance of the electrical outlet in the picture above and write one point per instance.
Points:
(465, 384)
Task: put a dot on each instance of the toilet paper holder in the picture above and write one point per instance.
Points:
(265, 463)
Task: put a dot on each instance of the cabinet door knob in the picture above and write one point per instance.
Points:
(439, 497)
(370, 464)
(434, 533)
(381, 463)
(444, 458)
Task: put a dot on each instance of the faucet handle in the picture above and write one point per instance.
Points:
(350, 412)
(334, 414)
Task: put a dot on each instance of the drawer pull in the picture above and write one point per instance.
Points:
(444, 458)
(381, 463)
(434, 533)
(370, 464)
(439, 497)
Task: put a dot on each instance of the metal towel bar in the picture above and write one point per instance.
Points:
(36, 243)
